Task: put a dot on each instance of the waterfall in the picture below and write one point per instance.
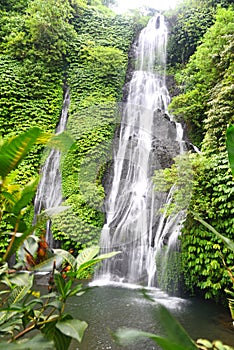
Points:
(148, 139)
(49, 191)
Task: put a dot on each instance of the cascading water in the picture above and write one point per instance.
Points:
(49, 192)
(148, 139)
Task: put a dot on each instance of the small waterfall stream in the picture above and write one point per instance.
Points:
(148, 139)
(49, 192)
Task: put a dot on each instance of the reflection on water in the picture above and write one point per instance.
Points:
(108, 308)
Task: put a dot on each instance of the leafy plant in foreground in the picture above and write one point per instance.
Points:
(22, 308)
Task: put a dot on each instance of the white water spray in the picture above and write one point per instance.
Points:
(148, 139)
(49, 192)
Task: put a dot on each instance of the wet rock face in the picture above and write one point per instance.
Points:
(165, 146)
(172, 87)
(130, 70)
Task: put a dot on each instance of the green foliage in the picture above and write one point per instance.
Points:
(230, 146)
(213, 199)
(11, 5)
(187, 24)
(28, 100)
(50, 29)
(22, 308)
(207, 189)
(87, 47)
(206, 102)
(169, 271)
(96, 73)
(178, 179)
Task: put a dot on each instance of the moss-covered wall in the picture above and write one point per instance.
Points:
(44, 45)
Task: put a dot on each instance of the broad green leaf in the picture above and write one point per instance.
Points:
(174, 330)
(226, 241)
(50, 212)
(37, 343)
(30, 244)
(73, 328)
(57, 304)
(18, 241)
(27, 317)
(126, 337)
(230, 146)
(67, 288)
(60, 283)
(19, 223)
(94, 261)
(20, 292)
(218, 345)
(43, 217)
(3, 268)
(6, 315)
(76, 290)
(15, 149)
(51, 332)
(48, 264)
(9, 197)
(26, 197)
(20, 279)
(205, 342)
(49, 296)
(62, 141)
(86, 255)
(66, 256)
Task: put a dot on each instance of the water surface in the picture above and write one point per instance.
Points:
(107, 308)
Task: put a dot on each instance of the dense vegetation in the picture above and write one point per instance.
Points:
(97, 67)
(203, 64)
(47, 46)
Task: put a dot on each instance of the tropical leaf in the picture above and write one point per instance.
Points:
(15, 149)
(50, 212)
(86, 255)
(174, 330)
(43, 217)
(230, 146)
(76, 290)
(57, 304)
(20, 279)
(6, 315)
(66, 256)
(73, 328)
(60, 283)
(177, 338)
(26, 197)
(94, 261)
(62, 141)
(36, 343)
(20, 292)
(9, 197)
(11, 325)
(48, 264)
(3, 268)
(126, 337)
(226, 241)
(51, 332)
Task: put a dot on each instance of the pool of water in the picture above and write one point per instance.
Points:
(107, 308)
